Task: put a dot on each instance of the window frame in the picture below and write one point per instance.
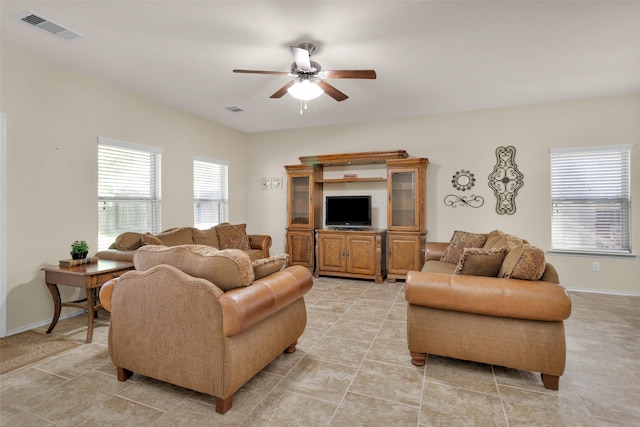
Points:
(153, 200)
(222, 184)
(598, 193)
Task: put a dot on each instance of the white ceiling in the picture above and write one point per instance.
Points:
(430, 56)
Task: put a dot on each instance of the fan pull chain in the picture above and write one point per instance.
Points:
(303, 106)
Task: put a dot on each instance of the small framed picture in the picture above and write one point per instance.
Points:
(276, 183)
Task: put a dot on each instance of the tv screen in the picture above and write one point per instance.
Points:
(348, 211)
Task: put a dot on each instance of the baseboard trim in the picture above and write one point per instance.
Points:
(46, 322)
(618, 293)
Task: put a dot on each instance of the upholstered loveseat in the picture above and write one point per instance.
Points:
(204, 319)
(489, 298)
(223, 236)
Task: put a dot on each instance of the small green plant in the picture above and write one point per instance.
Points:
(79, 247)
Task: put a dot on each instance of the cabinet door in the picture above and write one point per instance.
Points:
(332, 252)
(403, 200)
(361, 254)
(405, 252)
(300, 248)
(300, 206)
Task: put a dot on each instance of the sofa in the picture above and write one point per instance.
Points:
(489, 298)
(222, 236)
(204, 319)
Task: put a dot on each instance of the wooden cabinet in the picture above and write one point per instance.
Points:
(406, 215)
(402, 247)
(351, 253)
(304, 212)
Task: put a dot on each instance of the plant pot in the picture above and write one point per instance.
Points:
(78, 255)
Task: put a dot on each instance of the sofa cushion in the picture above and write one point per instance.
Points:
(524, 262)
(266, 266)
(150, 239)
(481, 262)
(176, 236)
(128, 241)
(435, 266)
(233, 236)
(498, 239)
(207, 237)
(226, 269)
(460, 241)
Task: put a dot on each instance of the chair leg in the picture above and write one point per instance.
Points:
(223, 405)
(291, 348)
(418, 359)
(550, 381)
(123, 374)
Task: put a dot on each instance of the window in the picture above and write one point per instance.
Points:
(128, 189)
(591, 200)
(210, 193)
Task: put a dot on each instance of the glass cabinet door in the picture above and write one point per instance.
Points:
(300, 199)
(402, 199)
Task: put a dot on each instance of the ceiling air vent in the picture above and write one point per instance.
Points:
(47, 26)
(236, 110)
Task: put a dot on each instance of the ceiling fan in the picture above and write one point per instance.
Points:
(310, 79)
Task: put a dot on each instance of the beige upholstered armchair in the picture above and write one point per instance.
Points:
(186, 330)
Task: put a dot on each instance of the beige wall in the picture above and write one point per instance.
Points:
(468, 141)
(55, 115)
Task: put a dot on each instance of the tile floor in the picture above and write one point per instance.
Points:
(351, 368)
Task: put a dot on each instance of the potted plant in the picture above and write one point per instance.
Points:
(79, 249)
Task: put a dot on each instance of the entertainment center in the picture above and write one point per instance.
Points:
(350, 247)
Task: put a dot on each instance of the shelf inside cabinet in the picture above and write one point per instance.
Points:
(371, 179)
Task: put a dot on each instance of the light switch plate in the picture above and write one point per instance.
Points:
(276, 183)
(265, 183)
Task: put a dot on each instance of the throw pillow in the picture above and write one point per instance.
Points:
(226, 269)
(498, 239)
(128, 241)
(150, 239)
(481, 262)
(233, 236)
(266, 266)
(176, 236)
(524, 262)
(460, 241)
(206, 237)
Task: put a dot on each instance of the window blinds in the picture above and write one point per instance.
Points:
(128, 189)
(591, 199)
(210, 193)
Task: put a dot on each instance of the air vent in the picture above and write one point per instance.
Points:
(236, 110)
(47, 26)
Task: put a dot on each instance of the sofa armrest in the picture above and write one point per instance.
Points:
(106, 290)
(115, 255)
(435, 250)
(246, 306)
(491, 296)
(261, 242)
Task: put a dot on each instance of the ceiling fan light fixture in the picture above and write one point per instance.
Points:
(305, 90)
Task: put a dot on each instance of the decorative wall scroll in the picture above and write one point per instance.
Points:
(472, 201)
(463, 181)
(506, 180)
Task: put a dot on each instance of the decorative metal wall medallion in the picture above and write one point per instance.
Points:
(472, 201)
(506, 180)
(463, 180)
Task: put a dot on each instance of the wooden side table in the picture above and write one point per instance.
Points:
(87, 276)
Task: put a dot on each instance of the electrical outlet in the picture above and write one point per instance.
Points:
(595, 266)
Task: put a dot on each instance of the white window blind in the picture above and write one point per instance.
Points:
(128, 189)
(210, 193)
(591, 200)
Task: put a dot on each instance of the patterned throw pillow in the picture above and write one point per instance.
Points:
(266, 266)
(481, 262)
(524, 262)
(233, 236)
(458, 243)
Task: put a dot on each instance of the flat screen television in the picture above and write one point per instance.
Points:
(348, 211)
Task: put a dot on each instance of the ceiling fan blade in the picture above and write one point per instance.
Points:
(301, 57)
(332, 91)
(350, 74)
(283, 90)
(278, 73)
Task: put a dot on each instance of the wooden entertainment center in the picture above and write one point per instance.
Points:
(363, 253)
